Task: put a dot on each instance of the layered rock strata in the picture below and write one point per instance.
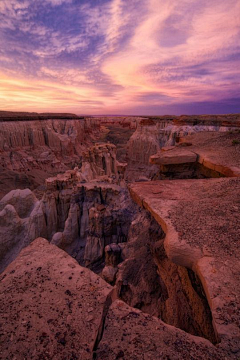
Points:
(177, 259)
(30, 151)
(99, 161)
(34, 146)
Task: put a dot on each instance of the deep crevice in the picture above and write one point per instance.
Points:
(150, 281)
(186, 305)
(173, 293)
(109, 300)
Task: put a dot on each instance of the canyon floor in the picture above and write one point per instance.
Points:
(119, 237)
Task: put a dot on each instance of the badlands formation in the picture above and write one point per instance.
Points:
(119, 237)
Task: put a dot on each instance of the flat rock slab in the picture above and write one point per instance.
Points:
(216, 151)
(173, 156)
(130, 334)
(204, 212)
(51, 307)
(201, 222)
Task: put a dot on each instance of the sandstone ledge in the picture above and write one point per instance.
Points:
(213, 150)
(173, 157)
(200, 219)
(216, 151)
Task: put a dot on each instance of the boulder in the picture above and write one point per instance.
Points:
(109, 274)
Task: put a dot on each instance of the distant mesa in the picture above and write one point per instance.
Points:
(25, 116)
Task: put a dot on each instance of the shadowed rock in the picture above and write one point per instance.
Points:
(129, 334)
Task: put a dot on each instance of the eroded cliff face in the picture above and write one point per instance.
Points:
(89, 214)
(31, 151)
(81, 211)
(146, 279)
(91, 217)
(82, 221)
(99, 225)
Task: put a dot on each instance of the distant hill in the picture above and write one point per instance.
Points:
(27, 116)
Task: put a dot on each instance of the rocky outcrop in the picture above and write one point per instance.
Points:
(99, 226)
(112, 259)
(62, 136)
(78, 211)
(64, 317)
(174, 156)
(175, 163)
(143, 143)
(153, 134)
(130, 333)
(137, 280)
(34, 146)
(100, 161)
(22, 219)
(147, 280)
(205, 155)
(200, 244)
(74, 213)
(74, 314)
(22, 200)
(81, 218)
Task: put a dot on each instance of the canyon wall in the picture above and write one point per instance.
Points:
(31, 151)
(82, 221)
(88, 213)
(100, 226)
(81, 210)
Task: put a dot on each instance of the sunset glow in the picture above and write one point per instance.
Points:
(120, 57)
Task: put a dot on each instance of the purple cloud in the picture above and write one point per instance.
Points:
(99, 56)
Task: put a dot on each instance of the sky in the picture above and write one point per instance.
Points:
(136, 57)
